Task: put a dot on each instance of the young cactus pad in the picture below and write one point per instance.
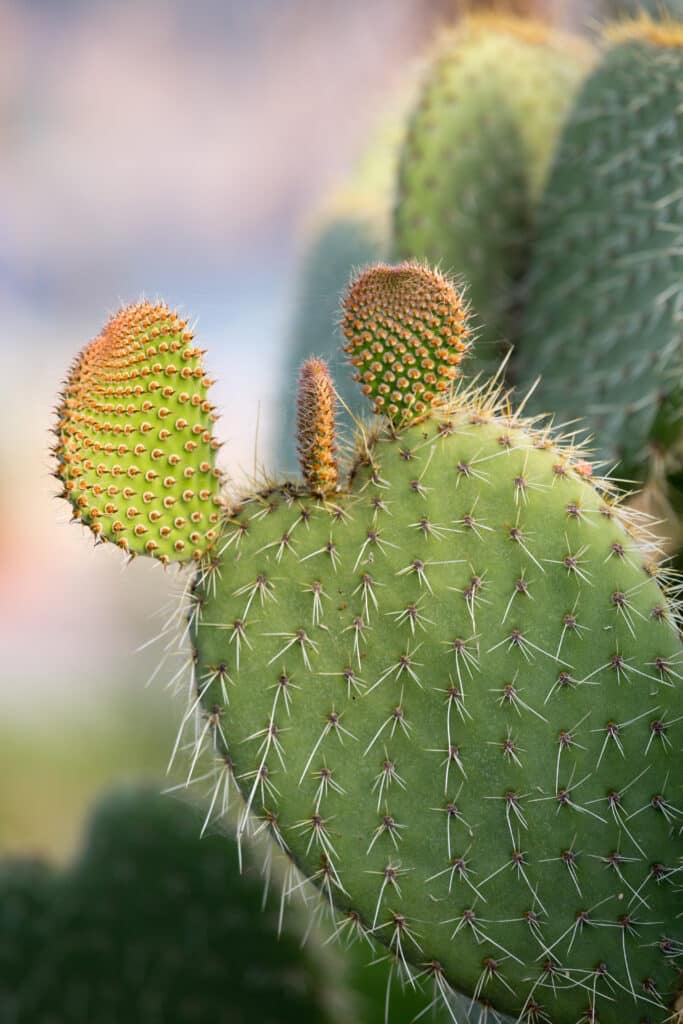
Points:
(406, 334)
(134, 447)
(602, 323)
(451, 692)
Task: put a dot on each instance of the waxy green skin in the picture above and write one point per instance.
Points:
(605, 280)
(268, 655)
(475, 156)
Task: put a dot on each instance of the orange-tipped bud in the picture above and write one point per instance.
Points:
(406, 331)
(316, 427)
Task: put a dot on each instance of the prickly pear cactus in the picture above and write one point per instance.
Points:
(151, 925)
(449, 688)
(475, 156)
(605, 287)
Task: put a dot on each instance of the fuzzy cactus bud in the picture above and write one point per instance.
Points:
(316, 427)
(406, 330)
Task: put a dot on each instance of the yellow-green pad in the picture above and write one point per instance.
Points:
(135, 447)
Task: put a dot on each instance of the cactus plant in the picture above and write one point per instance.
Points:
(606, 272)
(476, 154)
(448, 686)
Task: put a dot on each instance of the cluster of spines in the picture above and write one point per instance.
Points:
(407, 333)
(135, 448)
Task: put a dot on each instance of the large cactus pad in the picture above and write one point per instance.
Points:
(452, 691)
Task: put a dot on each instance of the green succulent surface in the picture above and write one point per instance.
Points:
(451, 692)
(475, 156)
(602, 322)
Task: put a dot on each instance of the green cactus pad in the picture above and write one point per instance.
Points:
(603, 319)
(659, 9)
(476, 154)
(406, 330)
(134, 447)
(153, 925)
(453, 695)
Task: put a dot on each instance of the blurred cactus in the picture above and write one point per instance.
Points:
(660, 9)
(475, 156)
(602, 320)
(153, 924)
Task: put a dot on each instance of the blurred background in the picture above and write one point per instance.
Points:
(169, 149)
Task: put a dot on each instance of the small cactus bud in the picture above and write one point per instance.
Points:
(316, 427)
(134, 448)
(406, 330)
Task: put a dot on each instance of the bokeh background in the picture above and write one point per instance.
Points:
(171, 148)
